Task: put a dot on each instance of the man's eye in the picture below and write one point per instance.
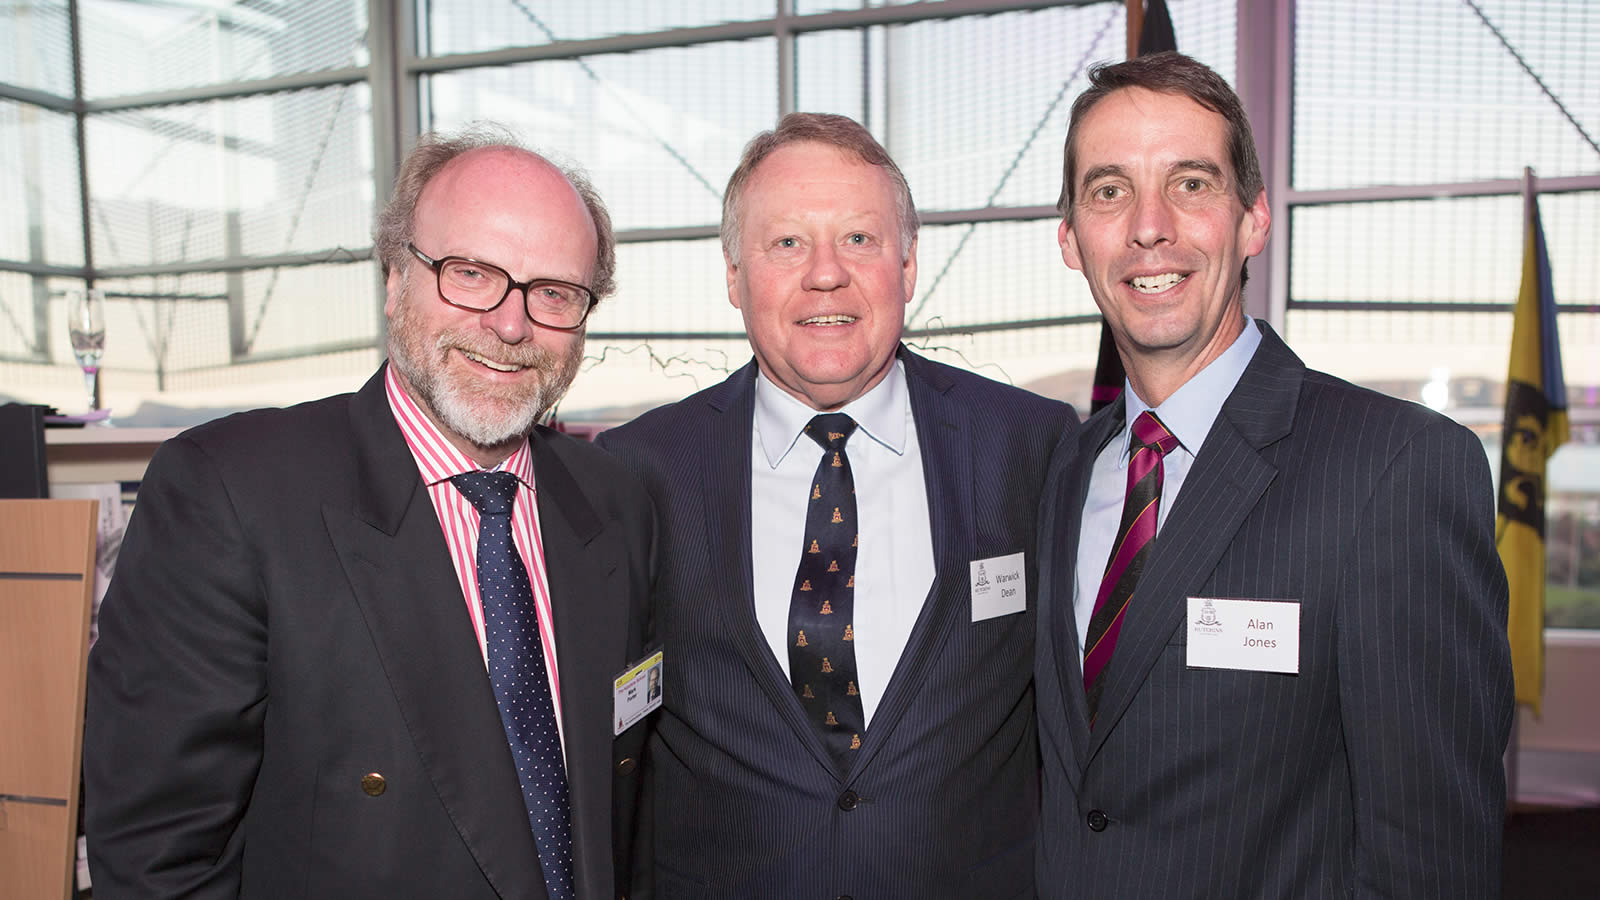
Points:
(1107, 192)
(858, 238)
(1193, 184)
(788, 242)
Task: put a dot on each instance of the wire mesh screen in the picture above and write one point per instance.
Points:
(1440, 252)
(43, 221)
(1436, 91)
(36, 45)
(466, 26)
(133, 47)
(659, 131)
(277, 173)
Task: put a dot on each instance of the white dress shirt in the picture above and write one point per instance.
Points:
(894, 564)
(1188, 414)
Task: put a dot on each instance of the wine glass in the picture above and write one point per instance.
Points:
(86, 326)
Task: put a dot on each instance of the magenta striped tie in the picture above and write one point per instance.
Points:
(1136, 538)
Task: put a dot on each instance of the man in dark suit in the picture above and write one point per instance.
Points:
(364, 647)
(845, 595)
(1272, 658)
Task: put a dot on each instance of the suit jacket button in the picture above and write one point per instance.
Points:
(848, 800)
(373, 784)
(844, 897)
(627, 766)
(1098, 820)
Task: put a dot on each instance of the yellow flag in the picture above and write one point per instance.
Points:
(1535, 425)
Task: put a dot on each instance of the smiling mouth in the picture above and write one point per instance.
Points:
(1155, 284)
(489, 363)
(828, 320)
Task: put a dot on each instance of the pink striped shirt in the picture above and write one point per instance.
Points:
(438, 460)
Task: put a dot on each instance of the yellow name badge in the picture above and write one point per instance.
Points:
(637, 692)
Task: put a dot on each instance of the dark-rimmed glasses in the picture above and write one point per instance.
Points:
(480, 287)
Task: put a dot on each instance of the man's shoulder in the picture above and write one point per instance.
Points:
(1339, 405)
(674, 423)
(997, 403)
(273, 433)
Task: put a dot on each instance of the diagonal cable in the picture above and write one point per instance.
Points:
(299, 213)
(1016, 161)
(1504, 42)
(595, 77)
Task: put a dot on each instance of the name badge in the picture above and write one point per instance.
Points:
(637, 692)
(1248, 635)
(999, 586)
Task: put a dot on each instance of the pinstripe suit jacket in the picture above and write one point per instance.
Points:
(942, 797)
(1374, 772)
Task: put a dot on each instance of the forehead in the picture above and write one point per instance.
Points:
(807, 175)
(488, 182)
(1134, 126)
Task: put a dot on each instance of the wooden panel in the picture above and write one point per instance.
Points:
(33, 860)
(47, 550)
(39, 638)
(47, 536)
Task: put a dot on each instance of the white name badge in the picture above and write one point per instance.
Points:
(637, 692)
(999, 586)
(1250, 635)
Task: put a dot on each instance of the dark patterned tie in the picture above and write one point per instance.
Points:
(517, 671)
(822, 656)
(1150, 442)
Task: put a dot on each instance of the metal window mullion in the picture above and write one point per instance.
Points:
(1393, 192)
(1281, 166)
(232, 90)
(782, 30)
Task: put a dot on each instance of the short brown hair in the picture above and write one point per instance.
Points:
(1168, 73)
(841, 132)
(397, 226)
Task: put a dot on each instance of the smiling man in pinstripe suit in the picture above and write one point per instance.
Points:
(1271, 657)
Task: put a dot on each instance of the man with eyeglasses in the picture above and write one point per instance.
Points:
(365, 646)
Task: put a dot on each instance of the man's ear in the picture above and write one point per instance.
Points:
(1257, 225)
(733, 281)
(1069, 247)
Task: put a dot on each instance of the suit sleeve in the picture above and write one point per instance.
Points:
(1425, 674)
(176, 691)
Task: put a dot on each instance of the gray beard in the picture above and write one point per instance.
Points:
(483, 417)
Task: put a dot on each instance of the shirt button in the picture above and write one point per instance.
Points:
(1098, 820)
(848, 800)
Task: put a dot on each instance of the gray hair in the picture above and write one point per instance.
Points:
(840, 132)
(434, 150)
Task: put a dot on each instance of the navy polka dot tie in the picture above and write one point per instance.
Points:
(517, 671)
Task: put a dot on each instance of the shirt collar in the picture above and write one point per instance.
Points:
(881, 413)
(438, 459)
(1191, 410)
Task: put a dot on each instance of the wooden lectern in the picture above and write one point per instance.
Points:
(47, 554)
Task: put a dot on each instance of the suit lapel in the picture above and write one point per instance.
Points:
(725, 481)
(580, 560)
(1226, 481)
(944, 436)
(1073, 489)
(399, 569)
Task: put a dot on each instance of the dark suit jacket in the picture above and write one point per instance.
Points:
(285, 619)
(1373, 772)
(942, 798)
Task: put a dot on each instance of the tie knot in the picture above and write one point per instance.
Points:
(1149, 432)
(831, 430)
(491, 493)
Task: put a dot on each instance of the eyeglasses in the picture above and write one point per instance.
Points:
(481, 287)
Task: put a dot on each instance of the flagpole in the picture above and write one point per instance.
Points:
(1135, 25)
(1513, 755)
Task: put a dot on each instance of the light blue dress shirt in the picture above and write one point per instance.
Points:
(1188, 414)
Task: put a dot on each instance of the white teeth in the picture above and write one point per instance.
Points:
(498, 367)
(1155, 284)
(828, 320)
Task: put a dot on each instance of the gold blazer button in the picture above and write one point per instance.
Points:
(626, 767)
(373, 784)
